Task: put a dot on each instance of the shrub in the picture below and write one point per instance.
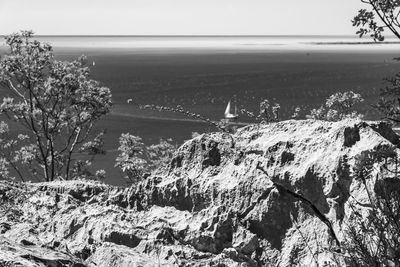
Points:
(389, 102)
(160, 154)
(136, 160)
(131, 157)
(296, 113)
(55, 101)
(268, 112)
(373, 230)
(337, 107)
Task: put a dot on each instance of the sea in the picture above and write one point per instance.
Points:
(203, 73)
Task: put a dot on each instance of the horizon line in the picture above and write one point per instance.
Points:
(190, 35)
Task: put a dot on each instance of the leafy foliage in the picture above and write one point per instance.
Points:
(130, 159)
(136, 159)
(56, 101)
(389, 102)
(16, 154)
(373, 231)
(159, 154)
(296, 113)
(338, 107)
(387, 12)
(268, 112)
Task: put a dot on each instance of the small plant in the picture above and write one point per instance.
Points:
(337, 107)
(268, 112)
(160, 154)
(81, 168)
(296, 113)
(131, 157)
(136, 159)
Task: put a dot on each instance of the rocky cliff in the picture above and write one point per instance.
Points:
(268, 195)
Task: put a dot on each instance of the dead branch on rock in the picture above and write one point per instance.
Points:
(317, 212)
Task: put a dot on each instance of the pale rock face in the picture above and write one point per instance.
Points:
(211, 206)
(244, 241)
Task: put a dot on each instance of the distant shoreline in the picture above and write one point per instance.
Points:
(351, 43)
(228, 43)
(199, 35)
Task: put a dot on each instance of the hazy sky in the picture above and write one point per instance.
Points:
(178, 17)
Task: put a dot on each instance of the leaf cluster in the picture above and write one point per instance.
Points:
(268, 112)
(337, 107)
(389, 101)
(55, 101)
(385, 11)
(135, 159)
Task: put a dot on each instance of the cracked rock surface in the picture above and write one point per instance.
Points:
(211, 206)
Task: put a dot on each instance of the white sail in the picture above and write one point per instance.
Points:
(228, 109)
(228, 114)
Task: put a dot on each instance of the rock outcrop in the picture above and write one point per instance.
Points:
(268, 195)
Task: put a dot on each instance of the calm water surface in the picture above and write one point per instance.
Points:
(203, 73)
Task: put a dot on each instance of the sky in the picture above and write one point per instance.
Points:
(179, 17)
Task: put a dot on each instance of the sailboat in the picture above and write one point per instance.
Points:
(228, 114)
(94, 63)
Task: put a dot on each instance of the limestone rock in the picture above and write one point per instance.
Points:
(252, 199)
(244, 241)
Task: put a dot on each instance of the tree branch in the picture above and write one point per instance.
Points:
(317, 212)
